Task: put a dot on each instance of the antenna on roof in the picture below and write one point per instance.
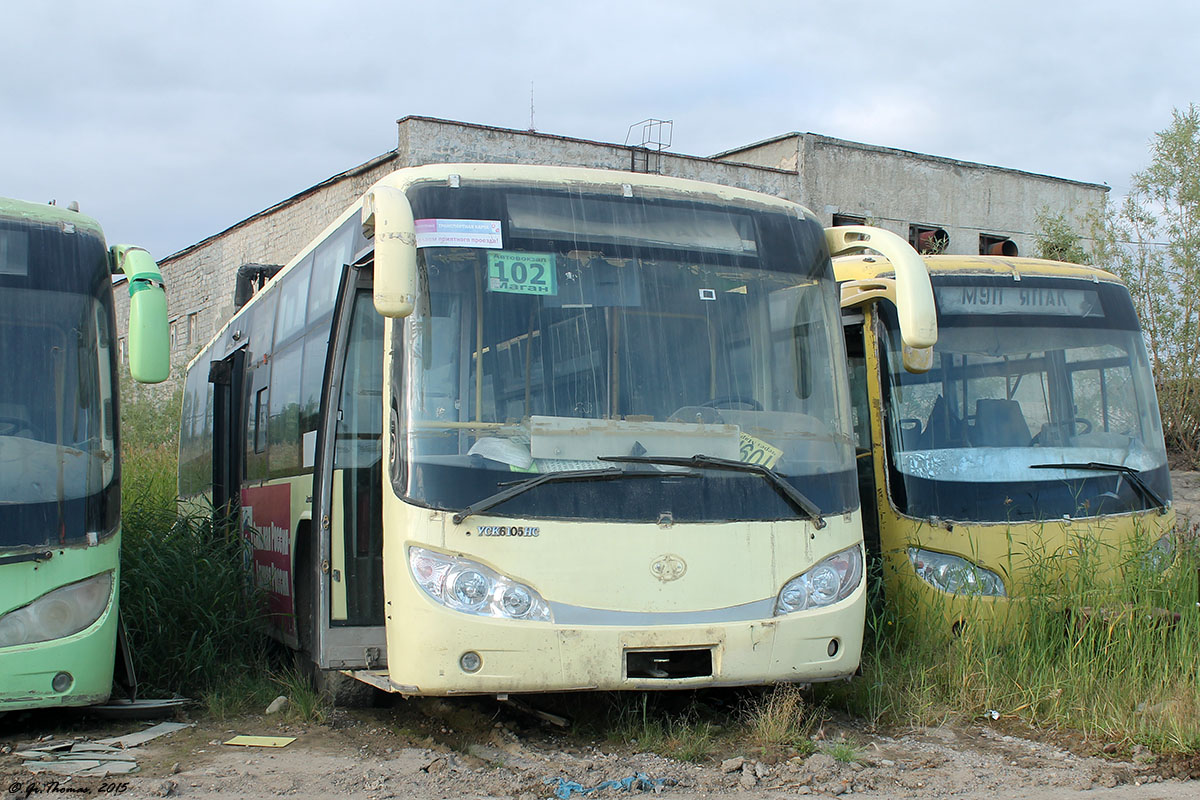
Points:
(531, 128)
(655, 138)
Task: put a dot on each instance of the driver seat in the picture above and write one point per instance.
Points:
(1000, 423)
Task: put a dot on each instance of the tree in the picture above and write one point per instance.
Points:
(1057, 239)
(1153, 242)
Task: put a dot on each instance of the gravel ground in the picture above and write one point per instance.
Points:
(362, 754)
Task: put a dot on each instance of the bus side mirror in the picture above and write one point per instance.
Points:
(911, 290)
(149, 340)
(387, 217)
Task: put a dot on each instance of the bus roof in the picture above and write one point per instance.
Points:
(864, 267)
(45, 214)
(563, 177)
(575, 176)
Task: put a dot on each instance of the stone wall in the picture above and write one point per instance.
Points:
(896, 188)
(200, 279)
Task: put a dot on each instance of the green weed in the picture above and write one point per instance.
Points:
(653, 723)
(781, 718)
(305, 703)
(842, 752)
(1088, 648)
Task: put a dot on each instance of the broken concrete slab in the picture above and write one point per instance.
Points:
(135, 739)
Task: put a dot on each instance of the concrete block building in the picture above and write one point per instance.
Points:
(937, 203)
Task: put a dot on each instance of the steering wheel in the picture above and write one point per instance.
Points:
(724, 401)
(1054, 434)
(10, 425)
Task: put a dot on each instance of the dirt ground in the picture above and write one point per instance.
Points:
(412, 750)
(368, 754)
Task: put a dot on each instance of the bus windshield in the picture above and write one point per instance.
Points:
(1025, 375)
(582, 327)
(57, 437)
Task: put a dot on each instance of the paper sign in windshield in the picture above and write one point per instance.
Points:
(756, 451)
(522, 273)
(1038, 300)
(458, 233)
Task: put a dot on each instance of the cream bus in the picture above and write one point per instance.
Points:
(513, 429)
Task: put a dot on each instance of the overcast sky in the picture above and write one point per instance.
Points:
(170, 121)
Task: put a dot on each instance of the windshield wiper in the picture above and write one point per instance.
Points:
(520, 487)
(1135, 477)
(790, 493)
(38, 556)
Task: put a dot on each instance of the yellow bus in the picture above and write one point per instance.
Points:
(512, 429)
(1028, 436)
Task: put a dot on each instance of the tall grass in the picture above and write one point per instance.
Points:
(193, 624)
(1085, 649)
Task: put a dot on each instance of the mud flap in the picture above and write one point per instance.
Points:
(124, 676)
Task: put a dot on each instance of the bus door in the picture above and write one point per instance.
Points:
(349, 485)
(228, 378)
(859, 369)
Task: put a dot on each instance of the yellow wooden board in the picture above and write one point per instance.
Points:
(262, 741)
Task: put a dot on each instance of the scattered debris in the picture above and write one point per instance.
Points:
(544, 716)
(261, 741)
(138, 709)
(732, 764)
(91, 759)
(563, 789)
(135, 739)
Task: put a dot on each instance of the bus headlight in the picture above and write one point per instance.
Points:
(65, 611)
(1161, 554)
(955, 575)
(832, 580)
(470, 587)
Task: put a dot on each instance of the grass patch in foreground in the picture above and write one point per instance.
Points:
(657, 724)
(1083, 653)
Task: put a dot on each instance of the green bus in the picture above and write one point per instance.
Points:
(60, 477)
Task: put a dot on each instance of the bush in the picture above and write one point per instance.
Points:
(1083, 652)
(1179, 403)
(193, 624)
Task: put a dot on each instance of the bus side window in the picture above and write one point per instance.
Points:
(328, 259)
(293, 296)
(258, 381)
(312, 378)
(195, 445)
(283, 422)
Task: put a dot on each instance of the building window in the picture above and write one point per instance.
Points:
(174, 334)
(928, 239)
(848, 219)
(191, 328)
(123, 350)
(996, 245)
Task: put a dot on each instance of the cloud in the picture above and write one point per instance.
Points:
(172, 121)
